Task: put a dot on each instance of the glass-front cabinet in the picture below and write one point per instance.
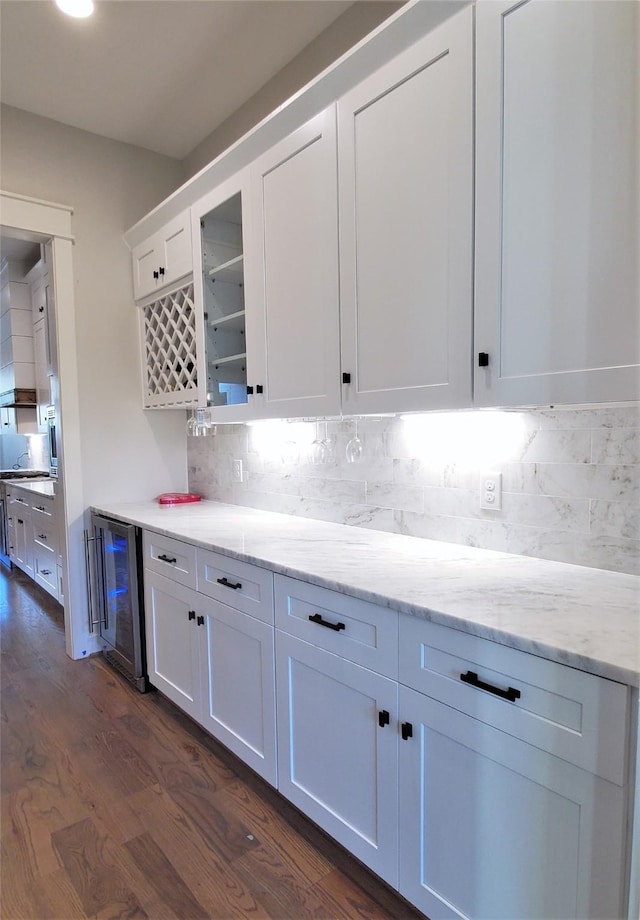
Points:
(224, 362)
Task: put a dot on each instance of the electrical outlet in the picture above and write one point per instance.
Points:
(237, 472)
(491, 492)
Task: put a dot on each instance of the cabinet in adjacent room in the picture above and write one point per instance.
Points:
(405, 157)
(20, 530)
(295, 266)
(557, 269)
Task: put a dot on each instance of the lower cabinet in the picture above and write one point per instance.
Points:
(492, 827)
(33, 537)
(338, 749)
(216, 663)
(478, 780)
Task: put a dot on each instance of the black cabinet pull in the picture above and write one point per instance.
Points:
(483, 359)
(406, 730)
(317, 618)
(346, 378)
(229, 584)
(383, 718)
(161, 269)
(45, 571)
(250, 391)
(192, 614)
(510, 694)
(40, 309)
(200, 621)
(259, 388)
(168, 559)
(42, 536)
(20, 521)
(156, 275)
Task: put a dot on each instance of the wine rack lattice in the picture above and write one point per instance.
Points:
(169, 335)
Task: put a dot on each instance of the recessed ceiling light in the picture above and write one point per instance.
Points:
(78, 8)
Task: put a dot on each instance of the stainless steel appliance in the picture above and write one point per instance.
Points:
(116, 608)
(53, 441)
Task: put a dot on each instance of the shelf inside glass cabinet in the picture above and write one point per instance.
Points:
(231, 271)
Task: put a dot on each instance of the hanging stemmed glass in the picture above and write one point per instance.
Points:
(355, 448)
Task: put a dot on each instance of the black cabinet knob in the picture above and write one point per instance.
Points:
(406, 730)
(346, 378)
(249, 391)
(200, 621)
(483, 359)
(156, 275)
(192, 614)
(259, 388)
(161, 270)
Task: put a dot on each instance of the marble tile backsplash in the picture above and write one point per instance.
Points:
(570, 477)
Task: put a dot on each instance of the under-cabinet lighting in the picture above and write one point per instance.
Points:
(469, 439)
(80, 9)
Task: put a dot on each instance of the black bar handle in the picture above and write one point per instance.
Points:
(161, 269)
(229, 584)
(483, 359)
(406, 730)
(259, 388)
(200, 621)
(510, 694)
(317, 618)
(168, 559)
(383, 718)
(192, 614)
(155, 275)
(346, 378)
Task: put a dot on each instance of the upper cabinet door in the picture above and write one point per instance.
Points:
(228, 317)
(163, 258)
(406, 196)
(294, 192)
(557, 202)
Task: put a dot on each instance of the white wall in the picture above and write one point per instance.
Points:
(127, 453)
(356, 22)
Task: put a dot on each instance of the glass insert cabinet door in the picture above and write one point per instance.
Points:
(223, 303)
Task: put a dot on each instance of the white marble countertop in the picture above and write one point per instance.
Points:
(586, 618)
(39, 486)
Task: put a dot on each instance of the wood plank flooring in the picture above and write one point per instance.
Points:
(115, 805)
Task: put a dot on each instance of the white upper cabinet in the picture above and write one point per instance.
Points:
(228, 318)
(556, 309)
(405, 157)
(294, 191)
(164, 258)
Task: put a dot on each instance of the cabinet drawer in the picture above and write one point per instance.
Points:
(44, 535)
(569, 713)
(354, 629)
(172, 558)
(45, 569)
(238, 584)
(42, 506)
(17, 499)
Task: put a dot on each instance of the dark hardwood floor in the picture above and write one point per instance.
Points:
(115, 805)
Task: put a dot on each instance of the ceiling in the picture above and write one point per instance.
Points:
(160, 74)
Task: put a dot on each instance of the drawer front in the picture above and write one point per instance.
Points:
(241, 585)
(44, 534)
(172, 558)
(569, 713)
(42, 507)
(45, 569)
(17, 499)
(354, 629)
